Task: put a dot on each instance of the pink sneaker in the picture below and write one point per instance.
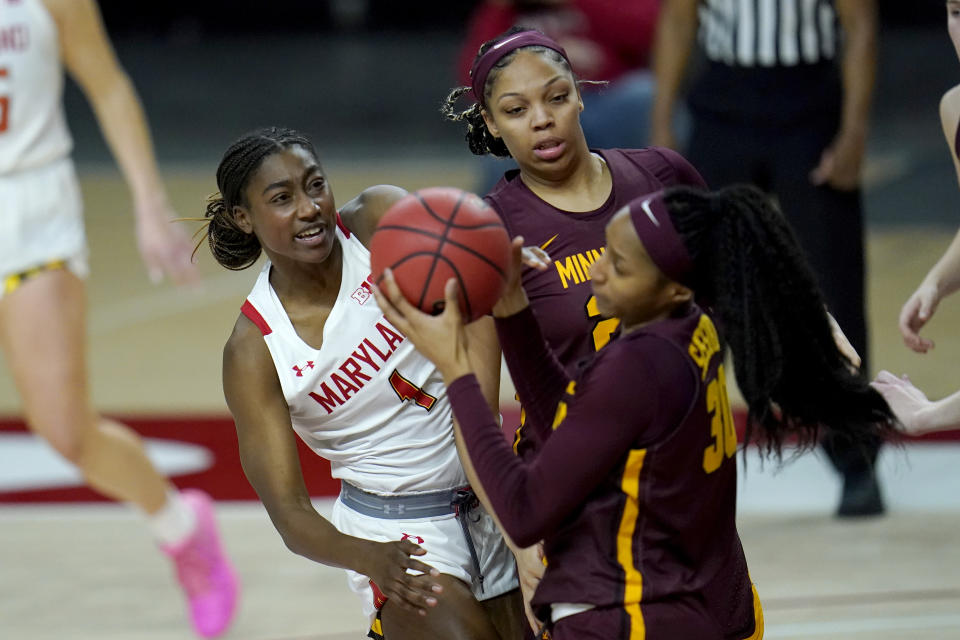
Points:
(204, 571)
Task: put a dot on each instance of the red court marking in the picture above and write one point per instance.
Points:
(224, 479)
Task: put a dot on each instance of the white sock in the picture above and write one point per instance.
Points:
(174, 522)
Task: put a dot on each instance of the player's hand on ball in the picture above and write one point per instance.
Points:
(441, 338)
(389, 562)
(514, 298)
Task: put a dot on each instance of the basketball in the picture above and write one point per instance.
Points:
(438, 233)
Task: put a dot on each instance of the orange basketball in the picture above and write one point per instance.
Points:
(435, 234)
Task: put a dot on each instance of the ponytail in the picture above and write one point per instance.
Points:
(750, 272)
(232, 247)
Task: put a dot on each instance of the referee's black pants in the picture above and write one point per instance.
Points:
(828, 223)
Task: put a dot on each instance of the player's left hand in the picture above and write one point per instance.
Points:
(906, 400)
(165, 247)
(530, 569)
(441, 338)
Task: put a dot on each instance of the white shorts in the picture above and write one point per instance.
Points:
(446, 547)
(41, 220)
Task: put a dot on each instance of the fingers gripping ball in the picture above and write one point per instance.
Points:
(435, 234)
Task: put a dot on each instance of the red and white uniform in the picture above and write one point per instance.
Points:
(369, 403)
(42, 216)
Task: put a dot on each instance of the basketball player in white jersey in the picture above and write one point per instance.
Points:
(43, 263)
(311, 355)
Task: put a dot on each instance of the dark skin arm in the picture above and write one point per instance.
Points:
(268, 454)
(841, 162)
(673, 43)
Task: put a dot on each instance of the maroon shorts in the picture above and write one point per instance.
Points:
(662, 621)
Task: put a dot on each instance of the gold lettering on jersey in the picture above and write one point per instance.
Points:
(722, 428)
(704, 344)
(356, 369)
(561, 413)
(575, 269)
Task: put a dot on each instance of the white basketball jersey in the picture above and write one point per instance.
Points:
(366, 400)
(33, 128)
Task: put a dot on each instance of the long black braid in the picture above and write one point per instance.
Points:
(231, 246)
(478, 137)
(751, 272)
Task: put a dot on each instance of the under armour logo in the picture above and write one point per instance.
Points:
(408, 536)
(299, 370)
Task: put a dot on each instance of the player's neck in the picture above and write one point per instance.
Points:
(296, 282)
(585, 187)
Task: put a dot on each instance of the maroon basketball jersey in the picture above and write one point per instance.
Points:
(561, 296)
(634, 488)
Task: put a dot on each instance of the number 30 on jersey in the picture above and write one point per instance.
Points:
(721, 424)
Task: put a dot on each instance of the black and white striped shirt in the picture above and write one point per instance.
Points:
(769, 33)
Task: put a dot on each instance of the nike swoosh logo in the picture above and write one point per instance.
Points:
(547, 243)
(646, 208)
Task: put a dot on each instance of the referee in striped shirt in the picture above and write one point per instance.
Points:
(782, 101)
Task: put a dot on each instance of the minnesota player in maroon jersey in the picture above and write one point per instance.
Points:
(527, 106)
(634, 487)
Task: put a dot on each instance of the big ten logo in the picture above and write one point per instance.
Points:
(364, 291)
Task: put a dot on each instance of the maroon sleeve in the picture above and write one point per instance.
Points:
(619, 405)
(537, 375)
(683, 172)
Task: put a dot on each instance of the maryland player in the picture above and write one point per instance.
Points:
(633, 489)
(43, 264)
(311, 355)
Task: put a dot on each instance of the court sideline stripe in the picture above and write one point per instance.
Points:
(846, 599)
(833, 627)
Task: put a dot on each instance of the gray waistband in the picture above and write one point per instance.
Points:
(402, 507)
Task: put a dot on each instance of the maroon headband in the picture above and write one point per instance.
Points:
(481, 68)
(660, 238)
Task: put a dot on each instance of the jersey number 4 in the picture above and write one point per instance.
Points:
(721, 424)
(406, 390)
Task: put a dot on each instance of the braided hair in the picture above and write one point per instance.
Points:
(751, 272)
(230, 245)
(478, 137)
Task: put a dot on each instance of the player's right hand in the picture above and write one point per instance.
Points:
(915, 313)
(389, 562)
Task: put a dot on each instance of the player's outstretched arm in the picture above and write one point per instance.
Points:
(89, 58)
(911, 406)
(268, 453)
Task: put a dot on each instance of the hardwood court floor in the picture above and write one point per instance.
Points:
(90, 572)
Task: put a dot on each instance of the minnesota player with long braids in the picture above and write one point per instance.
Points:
(634, 486)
